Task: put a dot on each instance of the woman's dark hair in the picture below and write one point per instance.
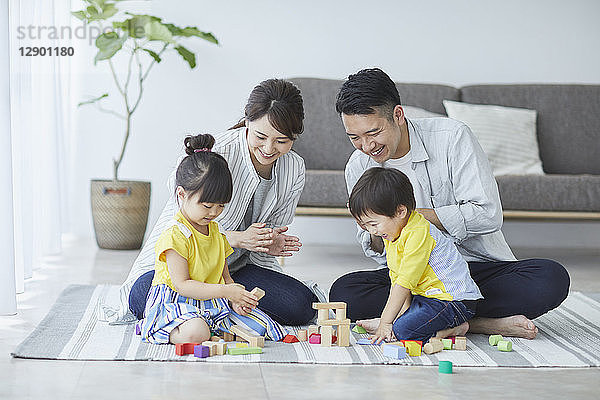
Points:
(281, 101)
(366, 92)
(204, 171)
(381, 191)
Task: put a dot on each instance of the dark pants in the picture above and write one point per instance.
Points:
(287, 300)
(530, 287)
(426, 316)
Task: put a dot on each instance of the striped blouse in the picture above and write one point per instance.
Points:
(278, 208)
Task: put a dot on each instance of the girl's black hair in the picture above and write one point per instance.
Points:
(204, 171)
(381, 191)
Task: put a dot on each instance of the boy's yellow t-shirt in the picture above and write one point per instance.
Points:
(428, 263)
(205, 254)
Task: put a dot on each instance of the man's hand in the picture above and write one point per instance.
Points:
(283, 244)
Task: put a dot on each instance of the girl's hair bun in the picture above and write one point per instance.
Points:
(198, 142)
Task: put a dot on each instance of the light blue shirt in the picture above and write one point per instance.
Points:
(455, 175)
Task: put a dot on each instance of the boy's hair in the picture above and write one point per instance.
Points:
(204, 171)
(381, 191)
(367, 92)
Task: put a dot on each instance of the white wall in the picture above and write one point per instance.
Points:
(452, 42)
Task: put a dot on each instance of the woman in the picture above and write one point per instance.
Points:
(268, 179)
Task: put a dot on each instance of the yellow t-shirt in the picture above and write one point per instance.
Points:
(428, 263)
(205, 254)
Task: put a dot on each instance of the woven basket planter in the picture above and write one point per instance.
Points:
(120, 213)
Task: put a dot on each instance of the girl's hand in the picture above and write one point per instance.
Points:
(237, 294)
(383, 333)
(283, 244)
(240, 309)
(256, 238)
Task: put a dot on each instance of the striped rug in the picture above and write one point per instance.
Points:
(568, 337)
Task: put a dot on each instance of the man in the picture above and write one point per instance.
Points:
(456, 191)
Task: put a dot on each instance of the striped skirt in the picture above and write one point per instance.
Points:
(166, 309)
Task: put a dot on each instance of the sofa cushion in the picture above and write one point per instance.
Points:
(567, 125)
(324, 143)
(550, 192)
(324, 188)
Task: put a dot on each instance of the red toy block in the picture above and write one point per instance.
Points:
(201, 351)
(290, 339)
(182, 349)
(333, 339)
(315, 338)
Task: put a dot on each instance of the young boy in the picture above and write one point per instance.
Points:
(432, 292)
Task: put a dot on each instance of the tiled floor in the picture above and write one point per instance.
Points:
(82, 262)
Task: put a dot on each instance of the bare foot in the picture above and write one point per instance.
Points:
(460, 330)
(370, 325)
(516, 326)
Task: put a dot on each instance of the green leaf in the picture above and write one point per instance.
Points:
(187, 56)
(134, 25)
(153, 54)
(157, 31)
(109, 44)
(81, 15)
(193, 31)
(92, 100)
(92, 11)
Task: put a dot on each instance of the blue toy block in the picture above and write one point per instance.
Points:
(201, 351)
(394, 351)
(363, 341)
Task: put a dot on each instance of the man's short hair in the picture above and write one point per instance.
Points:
(381, 191)
(367, 92)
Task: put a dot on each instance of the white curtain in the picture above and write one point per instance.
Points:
(42, 153)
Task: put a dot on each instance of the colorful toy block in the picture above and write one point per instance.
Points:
(290, 339)
(201, 351)
(315, 338)
(393, 351)
(244, 350)
(182, 349)
(258, 292)
(505, 345)
(363, 341)
(445, 367)
(138, 330)
(359, 329)
(302, 335)
(433, 347)
(413, 347)
(447, 344)
(241, 344)
(460, 343)
(494, 339)
(251, 337)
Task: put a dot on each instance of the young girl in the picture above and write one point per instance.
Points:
(192, 292)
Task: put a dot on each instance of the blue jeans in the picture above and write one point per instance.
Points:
(287, 300)
(426, 316)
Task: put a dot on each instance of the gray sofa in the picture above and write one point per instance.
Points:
(568, 130)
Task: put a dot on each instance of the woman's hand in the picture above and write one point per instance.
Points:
(283, 244)
(240, 297)
(256, 238)
(383, 333)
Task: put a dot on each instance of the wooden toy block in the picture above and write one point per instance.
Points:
(340, 314)
(413, 347)
(336, 305)
(333, 322)
(435, 339)
(302, 335)
(364, 341)
(393, 351)
(445, 367)
(447, 344)
(212, 346)
(258, 292)
(201, 351)
(494, 339)
(244, 350)
(343, 334)
(322, 314)
(215, 338)
(250, 337)
(182, 349)
(290, 339)
(505, 345)
(312, 329)
(326, 336)
(359, 329)
(315, 338)
(433, 347)
(221, 348)
(460, 343)
(228, 337)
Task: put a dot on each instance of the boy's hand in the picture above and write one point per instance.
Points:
(239, 296)
(242, 310)
(383, 333)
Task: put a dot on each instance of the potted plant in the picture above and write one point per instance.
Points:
(120, 208)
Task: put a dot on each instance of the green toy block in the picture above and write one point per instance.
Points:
(445, 367)
(505, 345)
(359, 329)
(494, 339)
(447, 344)
(243, 350)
